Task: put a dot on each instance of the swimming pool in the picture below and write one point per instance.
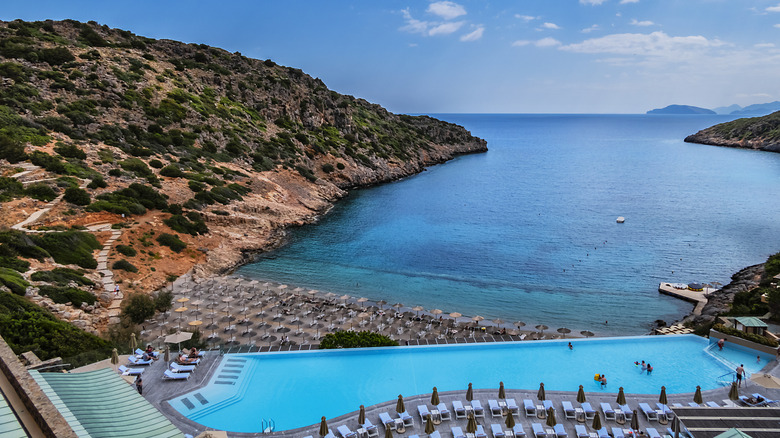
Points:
(295, 389)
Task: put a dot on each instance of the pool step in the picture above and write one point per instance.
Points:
(232, 365)
(228, 374)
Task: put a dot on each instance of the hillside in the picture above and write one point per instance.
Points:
(681, 109)
(762, 133)
(187, 155)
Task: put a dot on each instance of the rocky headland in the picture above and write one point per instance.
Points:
(760, 133)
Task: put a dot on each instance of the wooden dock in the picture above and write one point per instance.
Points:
(699, 298)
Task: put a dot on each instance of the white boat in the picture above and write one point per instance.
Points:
(621, 219)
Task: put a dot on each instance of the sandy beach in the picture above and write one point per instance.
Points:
(232, 310)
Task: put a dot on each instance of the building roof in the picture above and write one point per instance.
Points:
(750, 321)
(101, 404)
(9, 424)
(733, 433)
(761, 422)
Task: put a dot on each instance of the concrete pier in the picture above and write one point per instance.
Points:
(699, 298)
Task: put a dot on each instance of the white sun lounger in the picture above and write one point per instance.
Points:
(618, 433)
(560, 432)
(603, 433)
(627, 411)
(495, 409)
(424, 412)
(588, 409)
(479, 411)
(435, 434)
(498, 431)
(480, 432)
(609, 413)
(130, 371)
(538, 430)
(457, 432)
(691, 404)
(370, 428)
(649, 412)
(652, 433)
(668, 413)
(460, 411)
(170, 375)
(408, 420)
(530, 408)
(568, 410)
(345, 432)
(444, 412)
(581, 431)
(136, 361)
(511, 406)
(712, 404)
(386, 420)
(727, 403)
(518, 430)
(176, 368)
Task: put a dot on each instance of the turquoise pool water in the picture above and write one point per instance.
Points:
(295, 389)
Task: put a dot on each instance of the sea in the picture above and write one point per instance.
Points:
(528, 231)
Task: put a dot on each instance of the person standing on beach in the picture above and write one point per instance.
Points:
(740, 370)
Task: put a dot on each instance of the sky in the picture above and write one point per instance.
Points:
(481, 56)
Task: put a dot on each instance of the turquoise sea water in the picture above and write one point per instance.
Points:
(335, 382)
(527, 231)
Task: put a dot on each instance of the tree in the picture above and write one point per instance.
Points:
(773, 299)
(138, 307)
(163, 301)
(77, 196)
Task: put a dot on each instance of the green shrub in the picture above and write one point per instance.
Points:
(11, 150)
(61, 277)
(196, 186)
(181, 224)
(41, 192)
(749, 336)
(70, 151)
(115, 172)
(340, 165)
(171, 171)
(77, 196)
(69, 247)
(97, 182)
(124, 265)
(157, 164)
(56, 56)
(13, 281)
(163, 301)
(10, 188)
(62, 295)
(327, 168)
(137, 166)
(126, 250)
(347, 339)
(171, 241)
(14, 263)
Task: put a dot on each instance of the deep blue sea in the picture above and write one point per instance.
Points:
(528, 232)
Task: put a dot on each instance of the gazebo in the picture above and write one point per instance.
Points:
(750, 324)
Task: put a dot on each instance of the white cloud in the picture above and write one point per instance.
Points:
(590, 29)
(774, 8)
(641, 23)
(526, 18)
(445, 28)
(550, 26)
(592, 2)
(547, 42)
(475, 35)
(777, 25)
(764, 45)
(413, 25)
(654, 44)
(446, 9)
(623, 2)
(520, 43)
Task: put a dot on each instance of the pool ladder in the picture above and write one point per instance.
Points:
(267, 426)
(728, 364)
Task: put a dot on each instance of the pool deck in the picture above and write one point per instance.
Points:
(157, 391)
(699, 298)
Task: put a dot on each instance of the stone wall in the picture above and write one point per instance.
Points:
(46, 415)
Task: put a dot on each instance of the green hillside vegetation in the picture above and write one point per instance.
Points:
(766, 127)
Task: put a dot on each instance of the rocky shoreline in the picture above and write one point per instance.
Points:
(720, 300)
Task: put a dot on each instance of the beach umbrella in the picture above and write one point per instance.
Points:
(551, 417)
(541, 328)
(178, 338)
(195, 323)
(519, 324)
(597, 421)
(510, 421)
(501, 390)
(362, 416)
(362, 300)
(540, 395)
(167, 355)
(470, 393)
(635, 421)
(399, 407)
(471, 426)
(477, 319)
(133, 343)
(114, 357)
(765, 380)
(417, 309)
(435, 397)
(429, 428)
(398, 305)
(621, 399)
(197, 306)
(388, 432)
(381, 303)
(586, 333)
(182, 300)
(734, 392)
(344, 297)
(563, 331)
(312, 292)
(323, 427)
(676, 427)
(662, 399)
(436, 312)
(455, 315)
(498, 321)
(581, 395)
(697, 395)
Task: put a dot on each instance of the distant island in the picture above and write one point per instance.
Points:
(759, 109)
(681, 109)
(761, 133)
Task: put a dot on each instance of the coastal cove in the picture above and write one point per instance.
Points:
(527, 231)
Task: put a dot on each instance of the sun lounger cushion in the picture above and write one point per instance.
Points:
(538, 430)
(518, 430)
(495, 409)
(548, 404)
(444, 412)
(131, 371)
(568, 409)
(603, 433)
(170, 375)
(627, 412)
(609, 413)
(649, 412)
(588, 409)
(135, 361)
(560, 432)
(435, 434)
(460, 411)
(479, 411)
(480, 432)
(581, 431)
(424, 412)
(457, 432)
(176, 368)
(511, 405)
(652, 433)
(384, 417)
(530, 408)
(713, 404)
(498, 431)
(617, 432)
(345, 432)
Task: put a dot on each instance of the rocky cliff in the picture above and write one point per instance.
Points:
(721, 300)
(221, 151)
(762, 133)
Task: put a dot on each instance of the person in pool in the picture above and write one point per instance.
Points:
(603, 380)
(571, 347)
(649, 368)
